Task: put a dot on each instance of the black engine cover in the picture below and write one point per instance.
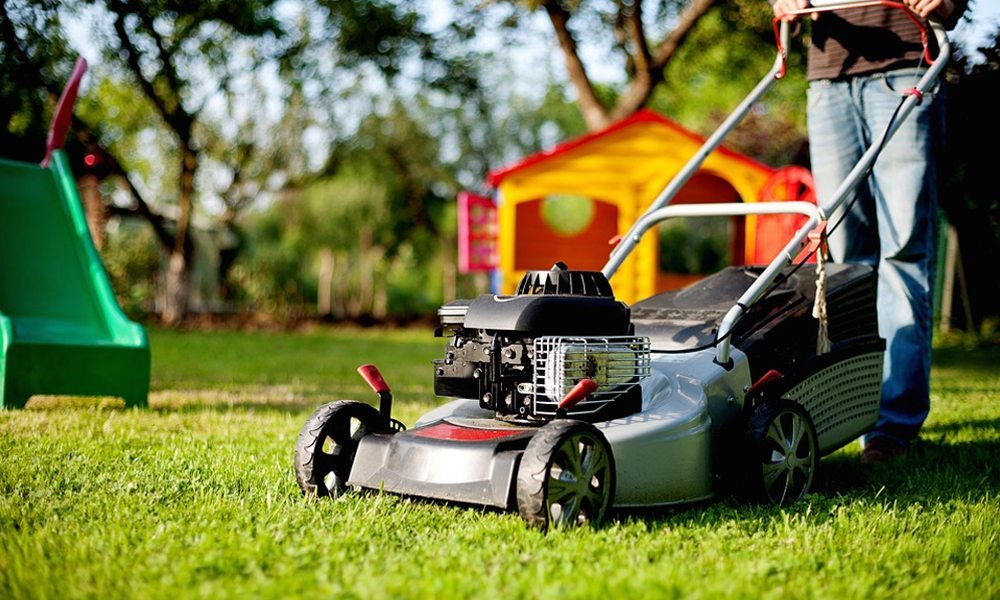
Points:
(549, 315)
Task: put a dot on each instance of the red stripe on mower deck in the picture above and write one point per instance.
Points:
(447, 431)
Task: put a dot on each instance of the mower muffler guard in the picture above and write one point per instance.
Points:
(470, 471)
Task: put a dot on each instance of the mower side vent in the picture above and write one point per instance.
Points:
(842, 399)
(559, 280)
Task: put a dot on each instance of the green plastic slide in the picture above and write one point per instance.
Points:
(61, 329)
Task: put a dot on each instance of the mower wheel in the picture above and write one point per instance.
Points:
(566, 477)
(324, 452)
(784, 453)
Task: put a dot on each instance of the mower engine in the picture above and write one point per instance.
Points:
(520, 355)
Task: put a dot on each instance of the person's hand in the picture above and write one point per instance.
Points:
(781, 9)
(924, 8)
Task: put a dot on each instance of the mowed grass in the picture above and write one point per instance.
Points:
(195, 497)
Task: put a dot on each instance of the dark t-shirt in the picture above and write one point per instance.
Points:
(867, 40)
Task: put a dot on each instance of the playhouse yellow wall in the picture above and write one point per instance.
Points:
(627, 169)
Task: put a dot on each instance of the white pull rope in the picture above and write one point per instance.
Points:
(819, 306)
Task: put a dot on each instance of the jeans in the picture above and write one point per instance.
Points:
(892, 223)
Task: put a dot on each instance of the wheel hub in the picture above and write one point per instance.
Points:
(788, 468)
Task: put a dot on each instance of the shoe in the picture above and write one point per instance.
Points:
(881, 450)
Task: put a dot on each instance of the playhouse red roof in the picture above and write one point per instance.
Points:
(496, 176)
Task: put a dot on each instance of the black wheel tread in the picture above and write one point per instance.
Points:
(752, 488)
(313, 431)
(535, 464)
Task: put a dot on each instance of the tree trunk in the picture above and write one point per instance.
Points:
(648, 65)
(380, 305)
(178, 280)
(228, 253)
(449, 273)
(365, 271)
(93, 208)
(595, 115)
(176, 289)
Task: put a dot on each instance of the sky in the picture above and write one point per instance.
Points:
(982, 21)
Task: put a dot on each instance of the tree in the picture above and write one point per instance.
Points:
(709, 53)
(159, 43)
(646, 53)
(382, 197)
(727, 54)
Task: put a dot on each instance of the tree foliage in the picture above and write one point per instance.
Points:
(34, 53)
(721, 61)
(203, 108)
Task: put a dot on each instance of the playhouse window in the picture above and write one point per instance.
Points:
(570, 228)
(567, 214)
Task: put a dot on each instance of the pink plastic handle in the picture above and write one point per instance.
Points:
(581, 390)
(64, 111)
(373, 378)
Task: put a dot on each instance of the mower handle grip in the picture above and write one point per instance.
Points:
(827, 6)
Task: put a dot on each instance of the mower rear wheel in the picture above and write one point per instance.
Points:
(324, 452)
(784, 453)
(566, 477)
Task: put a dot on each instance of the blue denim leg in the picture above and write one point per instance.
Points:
(837, 138)
(892, 224)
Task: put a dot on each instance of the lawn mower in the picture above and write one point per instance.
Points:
(567, 402)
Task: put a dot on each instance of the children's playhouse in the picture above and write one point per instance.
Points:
(608, 178)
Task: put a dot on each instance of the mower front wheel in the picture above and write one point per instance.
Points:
(566, 476)
(784, 453)
(325, 449)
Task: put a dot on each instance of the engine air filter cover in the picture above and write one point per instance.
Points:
(561, 281)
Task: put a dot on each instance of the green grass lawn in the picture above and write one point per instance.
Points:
(195, 496)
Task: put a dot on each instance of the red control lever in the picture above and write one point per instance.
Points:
(373, 378)
(765, 379)
(581, 390)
